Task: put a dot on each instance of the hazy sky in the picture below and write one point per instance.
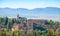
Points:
(29, 4)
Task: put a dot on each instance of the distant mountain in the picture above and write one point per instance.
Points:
(48, 10)
(34, 13)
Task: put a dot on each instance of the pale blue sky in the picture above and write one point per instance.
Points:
(29, 4)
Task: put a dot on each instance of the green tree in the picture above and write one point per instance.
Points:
(37, 32)
(8, 26)
(50, 32)
(57, 32)
(15, 33)
(1, 34)
(10, 23)
(0, 20)
(51, 22)
(6, 20)
(4, 34)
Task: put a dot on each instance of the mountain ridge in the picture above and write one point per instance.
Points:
(47, 12)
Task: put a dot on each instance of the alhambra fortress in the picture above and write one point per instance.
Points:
(22, 23)
(31, 24)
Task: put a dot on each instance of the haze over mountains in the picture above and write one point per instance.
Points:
(41, 13)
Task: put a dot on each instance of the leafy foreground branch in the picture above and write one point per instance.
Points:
(49, 32)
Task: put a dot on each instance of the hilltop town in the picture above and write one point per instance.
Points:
(22, 23)
(19, 25)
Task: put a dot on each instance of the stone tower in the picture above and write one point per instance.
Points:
(17, 17)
